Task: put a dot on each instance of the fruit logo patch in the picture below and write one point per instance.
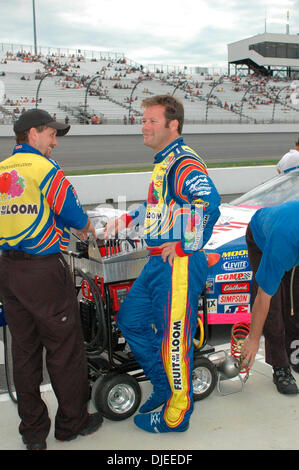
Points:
(11, 185)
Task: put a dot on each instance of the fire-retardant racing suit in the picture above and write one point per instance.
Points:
(38, 205)
(273, 249)
(182, 206)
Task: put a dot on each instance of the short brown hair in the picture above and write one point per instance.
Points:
(174, 109)
(22, 137)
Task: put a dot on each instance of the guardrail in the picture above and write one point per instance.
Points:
(129, 187)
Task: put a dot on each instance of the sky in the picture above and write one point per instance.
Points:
(173, 32)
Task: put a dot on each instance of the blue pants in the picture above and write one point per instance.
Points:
(166, 297)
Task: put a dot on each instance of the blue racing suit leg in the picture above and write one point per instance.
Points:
(166, 296)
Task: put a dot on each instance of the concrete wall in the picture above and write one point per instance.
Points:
(96, 189)
(7, 131)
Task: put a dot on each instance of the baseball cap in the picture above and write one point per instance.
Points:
(39, 117)
(289, 162)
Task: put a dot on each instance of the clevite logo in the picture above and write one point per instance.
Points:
(235, 265)
(241, 276)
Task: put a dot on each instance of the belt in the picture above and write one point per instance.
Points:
(16, 254)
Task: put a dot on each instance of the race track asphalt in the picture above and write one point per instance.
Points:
(97, 152)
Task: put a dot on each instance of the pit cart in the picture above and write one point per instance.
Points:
(102, 284)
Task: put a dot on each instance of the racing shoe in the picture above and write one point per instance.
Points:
(284, 381)
(157, 398)
(155, 423)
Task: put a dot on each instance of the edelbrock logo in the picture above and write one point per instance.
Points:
(235, 265)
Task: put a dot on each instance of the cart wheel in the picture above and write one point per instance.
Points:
(116, 397)
(204, 378)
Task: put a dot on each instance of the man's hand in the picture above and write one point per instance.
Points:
(113, 226)
(168, 251)
(249, 349)
(259, 314)
(89, 228)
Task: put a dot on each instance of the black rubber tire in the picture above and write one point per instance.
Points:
(116, 396)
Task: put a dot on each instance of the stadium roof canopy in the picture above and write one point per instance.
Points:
(265, 53)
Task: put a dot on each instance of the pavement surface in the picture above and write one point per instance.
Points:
(97, 152)
(256, 417)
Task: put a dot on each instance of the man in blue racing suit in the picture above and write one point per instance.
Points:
(273, 249)
(178, 219)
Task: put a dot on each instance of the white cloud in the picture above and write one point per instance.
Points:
(160, 31)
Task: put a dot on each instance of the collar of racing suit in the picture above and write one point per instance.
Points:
(159, 157)
(25, 148)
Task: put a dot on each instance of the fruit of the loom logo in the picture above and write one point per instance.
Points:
(11, 184)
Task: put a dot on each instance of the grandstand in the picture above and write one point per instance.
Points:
(110, 91)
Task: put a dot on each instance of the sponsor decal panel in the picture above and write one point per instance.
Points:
(239, 276)
(210, 285)
(211, 305)
(237, 308)
(234, 299)
(235, 287)
(230, 276)
(235, 265)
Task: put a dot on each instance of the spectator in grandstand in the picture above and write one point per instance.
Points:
(273, 249)
(181, 194)
(39, 206)
(290, 160)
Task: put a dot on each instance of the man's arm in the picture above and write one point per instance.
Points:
(63, 200)
(117, 224)
(259, 314)
(89, 228)
(191, 186)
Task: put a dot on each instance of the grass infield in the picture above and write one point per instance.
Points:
(138, 169)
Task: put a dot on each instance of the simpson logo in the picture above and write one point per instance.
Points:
(234, 299)
(226, 277)
(236, 308)
(235, 265)
(238, 287)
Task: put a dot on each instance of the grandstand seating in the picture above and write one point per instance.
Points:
(63, 92)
